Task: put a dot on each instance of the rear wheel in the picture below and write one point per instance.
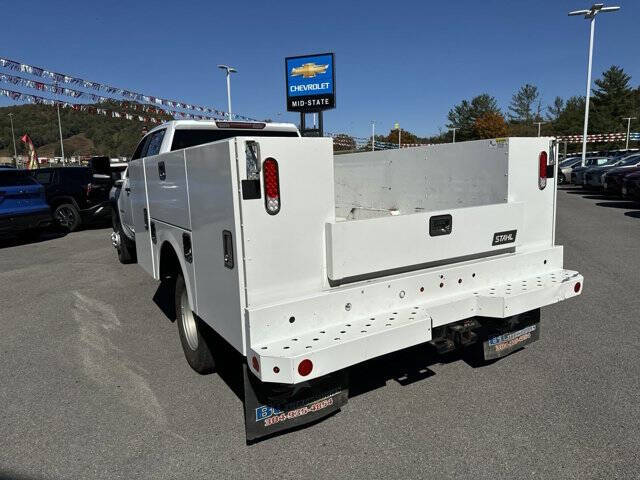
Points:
(67, 217)
(193, 332)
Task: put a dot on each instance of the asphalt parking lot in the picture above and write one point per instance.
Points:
(93, 383)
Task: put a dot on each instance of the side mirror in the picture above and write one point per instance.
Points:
(118, 183)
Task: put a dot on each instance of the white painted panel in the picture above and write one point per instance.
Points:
(139, 205)
(359, 247)
(168, 197)
(538, 218)
(213, 199)
(284, 253)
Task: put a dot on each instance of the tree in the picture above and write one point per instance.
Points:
(571, 119)
(521, 108)
(464, 115)
(490, 125)
(556, 109)
(405, 137)
(612, 99)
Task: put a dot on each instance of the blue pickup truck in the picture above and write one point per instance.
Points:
(23, 207)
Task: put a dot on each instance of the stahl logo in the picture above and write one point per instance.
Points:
(500, 238)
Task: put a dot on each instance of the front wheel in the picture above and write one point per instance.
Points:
(126, 248)
(193, 333)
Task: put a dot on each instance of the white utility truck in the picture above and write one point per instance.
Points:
(307, 263)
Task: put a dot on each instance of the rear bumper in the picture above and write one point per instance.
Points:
(25, 221)
(352, 324)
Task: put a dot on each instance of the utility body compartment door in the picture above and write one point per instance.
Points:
(377, 245)
(140, 214)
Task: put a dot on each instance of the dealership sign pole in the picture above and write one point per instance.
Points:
(310, 81)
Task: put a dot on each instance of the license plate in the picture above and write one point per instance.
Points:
(501, 345)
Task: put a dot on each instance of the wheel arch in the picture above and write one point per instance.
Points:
(59, 200)
(170, 263)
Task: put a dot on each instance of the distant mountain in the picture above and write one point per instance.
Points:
(83, 133)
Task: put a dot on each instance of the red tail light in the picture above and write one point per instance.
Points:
(542, 170)
(87, 189)
(271, 186)
(305, 367)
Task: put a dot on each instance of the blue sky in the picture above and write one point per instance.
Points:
(406, 62)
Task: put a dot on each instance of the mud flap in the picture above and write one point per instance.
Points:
(271, 408)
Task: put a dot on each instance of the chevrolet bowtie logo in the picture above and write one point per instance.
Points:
(309, 70)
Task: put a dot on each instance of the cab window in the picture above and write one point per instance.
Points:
(155, 142)
(139, 149)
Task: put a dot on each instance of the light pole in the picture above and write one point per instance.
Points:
(454, 133)
(15, 152)
(373, 135)
(539, 125)
(229, 71)
(628, 119)
(590, 15)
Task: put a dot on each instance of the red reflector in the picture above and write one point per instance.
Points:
(256, 365)
(542, 170)
(577, 287)
(305, 367)
(271, 186)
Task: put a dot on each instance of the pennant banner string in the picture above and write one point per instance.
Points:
(124, 93)
(96, 109)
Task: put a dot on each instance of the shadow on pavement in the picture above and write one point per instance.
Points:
(15, 240)
(606, 200)
(629, 205)
(8, 239)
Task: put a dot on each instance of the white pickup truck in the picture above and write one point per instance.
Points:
(307, 263)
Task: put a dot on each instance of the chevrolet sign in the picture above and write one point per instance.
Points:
(310, 83)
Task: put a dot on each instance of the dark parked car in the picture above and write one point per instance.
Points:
(23, 207)
(612, 181)
(76, 195)
(631, 186)
(594, 176)
(577, 172)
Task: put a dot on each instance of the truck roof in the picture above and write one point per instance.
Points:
(224, 124)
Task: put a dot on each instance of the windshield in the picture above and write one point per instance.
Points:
(569, 161)
(611, 161)
(190, 138)
(630, 161)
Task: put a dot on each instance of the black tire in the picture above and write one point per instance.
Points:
(561, 179)
(126, 248)
(67, 217)
(194, 337)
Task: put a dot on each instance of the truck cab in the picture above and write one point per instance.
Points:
(172, 136)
